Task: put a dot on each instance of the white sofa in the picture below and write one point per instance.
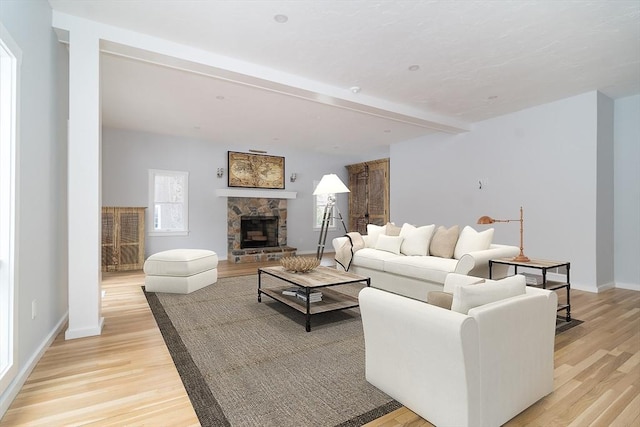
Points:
(415, 271)
(454, 369)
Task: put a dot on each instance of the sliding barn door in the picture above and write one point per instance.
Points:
(369, 196)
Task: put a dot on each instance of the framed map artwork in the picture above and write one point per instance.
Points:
(255, 170)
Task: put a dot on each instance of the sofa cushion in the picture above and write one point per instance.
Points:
(471, 240)
(180, 262)
(391, 229)
(389, 243)
(372, 258)
(416, 239)
(466, 297)
(433, 269)
(373, 231)
(444, 241)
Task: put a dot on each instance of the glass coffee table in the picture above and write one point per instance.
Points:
(322, 279)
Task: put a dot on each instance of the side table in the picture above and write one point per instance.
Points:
(544, 266)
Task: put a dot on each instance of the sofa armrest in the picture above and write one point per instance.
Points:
(337, 242)
(517, 334)
(424, 356)
(478, 260)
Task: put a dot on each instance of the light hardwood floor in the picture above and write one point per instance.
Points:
(126, 376)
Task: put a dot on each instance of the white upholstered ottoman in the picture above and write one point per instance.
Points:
(180, 271)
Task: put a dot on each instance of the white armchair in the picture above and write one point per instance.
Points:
(454, 369)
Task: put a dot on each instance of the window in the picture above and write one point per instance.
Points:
(9, 72)
(319, 203)
(169, 199)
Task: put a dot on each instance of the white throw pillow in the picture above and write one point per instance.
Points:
(389, 243)
(373, 231)
(470, 241)
(466, 297)
(454, 280)
(416, 239)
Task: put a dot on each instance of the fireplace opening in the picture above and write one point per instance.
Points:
(258, 231)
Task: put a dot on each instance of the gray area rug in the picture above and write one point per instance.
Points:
(246, 363)
(562, 325)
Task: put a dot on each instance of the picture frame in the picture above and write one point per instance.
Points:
(255, 170)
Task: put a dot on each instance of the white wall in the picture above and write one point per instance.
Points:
(127, 156)
(604, 194)
(543, 158)
(41, 175)
(627, 192)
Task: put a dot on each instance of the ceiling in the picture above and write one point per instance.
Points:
(475, 60)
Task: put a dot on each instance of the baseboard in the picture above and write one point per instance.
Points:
(606, 286)
(72, 334)
(16, 385)
(630, 286)
(586, 288)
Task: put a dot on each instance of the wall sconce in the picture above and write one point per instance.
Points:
(293, 177)
(220, 172)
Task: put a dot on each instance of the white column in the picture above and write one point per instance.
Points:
(84, 181)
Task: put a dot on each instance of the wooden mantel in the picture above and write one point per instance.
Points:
(255, 193)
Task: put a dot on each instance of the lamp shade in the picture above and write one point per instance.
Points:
(486, 220)
(330, 184)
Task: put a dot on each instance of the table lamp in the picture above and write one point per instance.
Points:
(489, 220)
(329, 184)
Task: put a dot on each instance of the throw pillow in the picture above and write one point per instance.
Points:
(439, 298)
(452, 281)
(466, 297)
(373, 231)
(392, 230)
(444, 241)
(389, 243)
(470, 241)
(416, 239)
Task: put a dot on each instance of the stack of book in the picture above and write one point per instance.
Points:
(292, 292)
(533, 279)
(314, 296)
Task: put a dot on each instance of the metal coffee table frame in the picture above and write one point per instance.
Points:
(320, 278)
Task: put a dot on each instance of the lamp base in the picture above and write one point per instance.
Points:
(521, 258)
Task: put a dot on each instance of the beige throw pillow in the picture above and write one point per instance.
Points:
(392, 229)
(444, 241)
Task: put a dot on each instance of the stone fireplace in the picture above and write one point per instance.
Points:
(257, 229)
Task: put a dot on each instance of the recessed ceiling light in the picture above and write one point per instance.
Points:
(355, 89)
(414, 68)
(281, 19)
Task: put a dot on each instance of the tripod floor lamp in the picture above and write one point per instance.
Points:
(329, 185)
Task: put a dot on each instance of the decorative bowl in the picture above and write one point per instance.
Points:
(298, 264)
